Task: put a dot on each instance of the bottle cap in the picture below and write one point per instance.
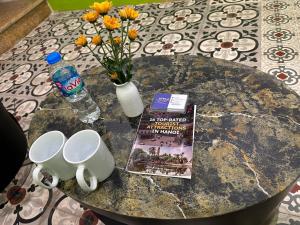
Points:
(53, 57)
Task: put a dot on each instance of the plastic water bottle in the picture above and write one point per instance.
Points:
(72, 87)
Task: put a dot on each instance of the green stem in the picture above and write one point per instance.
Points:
(130, 50)
(101, 46)
(116, 58)
(96, 56)
(97, 31)
(129, 47)
(103, 43)
(128, 25)
(107, 48)
(119, 81)
(123, 41)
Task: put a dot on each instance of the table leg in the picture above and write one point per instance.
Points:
(108, 221)
(273, 219)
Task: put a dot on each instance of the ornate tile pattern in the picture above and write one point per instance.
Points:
(260, 33)
(231, 32)
(230, 45)
(280, 47)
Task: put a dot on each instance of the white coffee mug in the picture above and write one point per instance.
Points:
(88, 152)
(47, 153)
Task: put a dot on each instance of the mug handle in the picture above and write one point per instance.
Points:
(37, 177)
(81, 181)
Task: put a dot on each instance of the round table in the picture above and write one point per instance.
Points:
(246, 148)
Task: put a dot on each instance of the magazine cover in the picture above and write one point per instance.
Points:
(164, 144)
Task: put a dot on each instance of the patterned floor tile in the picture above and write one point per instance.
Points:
(180, 4)
(224, 2)
(277, 19)
(286, 74)
(283, 11)
(22, 109)
(44, 47)
(282, 54)
(291, 203)
(62, 218)
(296, 88)
(65, 14)
(231, 32)
(280, 35)
(234, 45)
(281, 61)
(44, 27)
(25, 80)
(176, 20)
(284, 38)
(19, 49)
(279, 43)
(19, 180)
(259, 33)
(245, 15)
(66, 27)
(286, 219)
(86, 62)
(18, 74)
(197, 7)
(170, 43)
(68, 211)
(25, 204)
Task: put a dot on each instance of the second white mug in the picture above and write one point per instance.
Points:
(88, 152)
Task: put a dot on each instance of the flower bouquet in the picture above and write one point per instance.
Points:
(114, 37)
(117, 56)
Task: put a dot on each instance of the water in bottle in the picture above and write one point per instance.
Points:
(72, 87)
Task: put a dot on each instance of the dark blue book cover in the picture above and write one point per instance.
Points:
(160, 101)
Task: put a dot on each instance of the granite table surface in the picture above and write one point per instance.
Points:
(246, 146)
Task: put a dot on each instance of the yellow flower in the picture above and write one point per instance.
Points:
(117, 40)
(132, 34)
(91, 16)
(102, 8)
(128, 13)
(81, 41)
(97, 40)
(114, 76)
(111, 23)
(123, 14)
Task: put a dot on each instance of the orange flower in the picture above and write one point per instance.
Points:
(128, 13)
(117, 40)
(91, 16)
(132, 34)
(81, 41)
(102, 8)
(114, 76)
(122, 14)
(111, 23)
(97, 40)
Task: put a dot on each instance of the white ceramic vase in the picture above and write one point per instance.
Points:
(129, 99)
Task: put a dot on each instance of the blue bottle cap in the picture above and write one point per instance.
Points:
(53, 57)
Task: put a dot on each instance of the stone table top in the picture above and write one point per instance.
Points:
(246, 147)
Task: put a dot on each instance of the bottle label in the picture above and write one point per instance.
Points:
(68, 81)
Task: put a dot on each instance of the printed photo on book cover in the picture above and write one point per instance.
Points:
(164, 144)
